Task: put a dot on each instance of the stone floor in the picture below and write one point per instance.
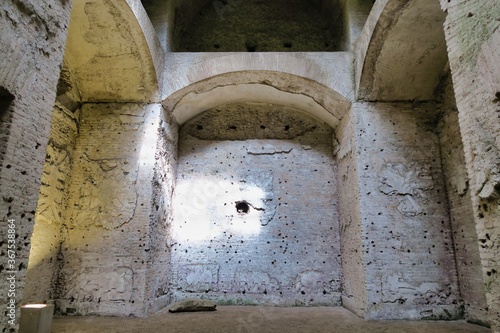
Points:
(235, 319)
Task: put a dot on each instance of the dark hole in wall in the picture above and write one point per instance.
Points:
(242, 207)
(6, 99)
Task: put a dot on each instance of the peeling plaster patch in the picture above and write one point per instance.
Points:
(117, 286)
(199, 277)
(266, 149)
(107, 197)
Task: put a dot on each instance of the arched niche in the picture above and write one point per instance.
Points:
(401, 55)
(113, 52)
(259, 87)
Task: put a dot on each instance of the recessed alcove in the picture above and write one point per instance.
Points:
(246, 229)
(6, 99)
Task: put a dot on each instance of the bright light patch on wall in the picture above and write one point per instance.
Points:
(148, 146)
(35, 306)
(208, 208)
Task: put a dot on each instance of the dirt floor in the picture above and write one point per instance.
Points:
(237, 319)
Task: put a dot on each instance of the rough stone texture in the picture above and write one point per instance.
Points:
(161, 14)
(402, 243)
(259, 26)
(106, 237)
(461, 215)
(407, 239)
(355, 15)
(52, 204)
(473, 38)
(353, 262)
(245, 229)
(31, 50)
(111, 55)
(159, 267)
(401, 53)
(306, 73)
(43, 266)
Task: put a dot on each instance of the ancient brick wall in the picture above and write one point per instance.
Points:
(473, 38)
(110, 200)
(31, 51)
(255, 219)
(353, 260)
(406, 233)
(159, 266)
(465, 240)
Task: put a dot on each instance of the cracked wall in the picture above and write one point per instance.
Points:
(353, 263)
(406, 233)
(461, 214)
(246, 228)
(31, 51)
(472, 36)
(107, 229)
(159, 267)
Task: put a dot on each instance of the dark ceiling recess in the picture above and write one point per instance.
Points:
(5, 99)
(260, 26)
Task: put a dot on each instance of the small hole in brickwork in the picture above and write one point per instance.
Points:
(242, 207)
(251, 46)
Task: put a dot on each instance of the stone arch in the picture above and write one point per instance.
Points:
(113, 52)
(264, 86)
(401, 54)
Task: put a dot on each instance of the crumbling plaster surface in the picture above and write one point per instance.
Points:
(246, 229)
(272, 78)
(50, 216)
(470, 279)
(31, 50)
(351, 229)
(107, 232)
(406, 233)
(159, 267)
(473, 39)
(401, 53)
(114, 52)
(332, 70)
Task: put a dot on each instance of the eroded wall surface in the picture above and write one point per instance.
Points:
(458, 191)
(255, 219)
(406, 233)
(106, 242)
(31, 49)
(473, 38)
(159, 267)
(353, 259)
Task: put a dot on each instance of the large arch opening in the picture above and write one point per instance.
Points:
(253, 151)
(247, 228)
(404, 82)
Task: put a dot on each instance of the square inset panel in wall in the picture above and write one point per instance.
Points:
(255, 209)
